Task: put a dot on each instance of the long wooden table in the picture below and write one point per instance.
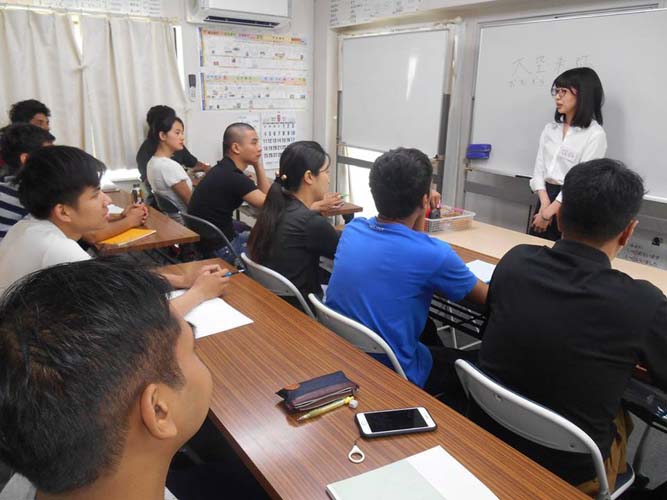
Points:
(168, 231)
(493, 241)
(345, 209)
(297, 460)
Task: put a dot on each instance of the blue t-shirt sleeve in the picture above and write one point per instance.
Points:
(453, 278)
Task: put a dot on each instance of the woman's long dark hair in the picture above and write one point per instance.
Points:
(163, 124)
(590, 95)
(295, 161)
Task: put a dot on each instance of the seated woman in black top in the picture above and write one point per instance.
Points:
(289, 237)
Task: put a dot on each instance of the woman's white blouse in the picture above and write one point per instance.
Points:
(557, 155)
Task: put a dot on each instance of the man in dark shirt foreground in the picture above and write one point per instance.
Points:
(565, 329)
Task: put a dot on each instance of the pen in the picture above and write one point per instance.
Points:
(232, 273)
(323, 409)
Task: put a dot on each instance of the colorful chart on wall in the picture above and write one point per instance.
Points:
(253, 71)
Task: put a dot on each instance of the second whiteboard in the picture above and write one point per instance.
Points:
(393, 89)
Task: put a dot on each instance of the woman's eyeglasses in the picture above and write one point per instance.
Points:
(561, 91)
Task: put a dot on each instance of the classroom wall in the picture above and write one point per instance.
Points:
(204, 128)
(506, 201)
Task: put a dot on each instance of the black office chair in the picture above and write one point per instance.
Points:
(166, 206)
(211, 238)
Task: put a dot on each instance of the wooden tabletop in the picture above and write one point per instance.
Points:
(345, 209)
(297, 460)
(168, 231)
(494, 242)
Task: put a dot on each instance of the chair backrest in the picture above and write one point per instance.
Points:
(165, 204)
(210, 236)
(275, 282)
(361, 337)
(528, 419)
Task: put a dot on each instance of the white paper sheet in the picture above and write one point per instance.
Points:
(114, 209)
(213, 316)
(483, 270)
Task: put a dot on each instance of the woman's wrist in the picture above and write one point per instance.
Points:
(544, 217)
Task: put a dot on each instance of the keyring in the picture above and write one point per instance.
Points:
(356, 456)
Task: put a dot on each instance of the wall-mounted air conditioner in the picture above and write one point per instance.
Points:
(254, 13)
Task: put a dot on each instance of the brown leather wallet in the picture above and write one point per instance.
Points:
(317, 391)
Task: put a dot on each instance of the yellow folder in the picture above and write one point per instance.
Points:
(129, 236)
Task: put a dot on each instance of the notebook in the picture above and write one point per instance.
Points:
(129, 236)
(430, 475)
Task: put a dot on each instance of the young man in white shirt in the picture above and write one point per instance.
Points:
(17, 142)
(60, 188)
(99, 390)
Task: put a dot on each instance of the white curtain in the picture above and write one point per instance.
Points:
(39, 60)
(129, 66)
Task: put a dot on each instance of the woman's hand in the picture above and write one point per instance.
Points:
(435, 199)
(544, 217)
(329, 202)
(539, 224)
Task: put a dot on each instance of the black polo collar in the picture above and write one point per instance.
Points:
(582, 250)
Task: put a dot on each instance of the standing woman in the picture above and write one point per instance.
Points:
(575, 136)
(288, 236)
(167, 177)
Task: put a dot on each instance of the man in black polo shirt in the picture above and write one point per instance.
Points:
(566, 330)
(226, 186)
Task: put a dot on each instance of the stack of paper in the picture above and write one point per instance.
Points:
(213, 316)
(430, 475)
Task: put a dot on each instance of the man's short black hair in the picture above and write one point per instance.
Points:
(23, 111)
(54, 175)
(78, 344)
(399, 179)
(600, 198)
(234, 133)
(20, 138)
(158, 113)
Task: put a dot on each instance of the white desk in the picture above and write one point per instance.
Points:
(495, 241)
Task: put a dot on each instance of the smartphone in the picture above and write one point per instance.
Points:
(400, 421)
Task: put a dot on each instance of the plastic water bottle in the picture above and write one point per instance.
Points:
(137, 194)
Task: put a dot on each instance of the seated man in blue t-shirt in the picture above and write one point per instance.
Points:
(386, 269)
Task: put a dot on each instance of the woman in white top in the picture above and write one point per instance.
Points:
(575, 136)
(166, 177)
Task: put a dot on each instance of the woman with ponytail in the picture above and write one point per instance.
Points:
(166, 177)
(288, 236)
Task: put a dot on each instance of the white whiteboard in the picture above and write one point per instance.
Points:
(392, 90)
(518, 62)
